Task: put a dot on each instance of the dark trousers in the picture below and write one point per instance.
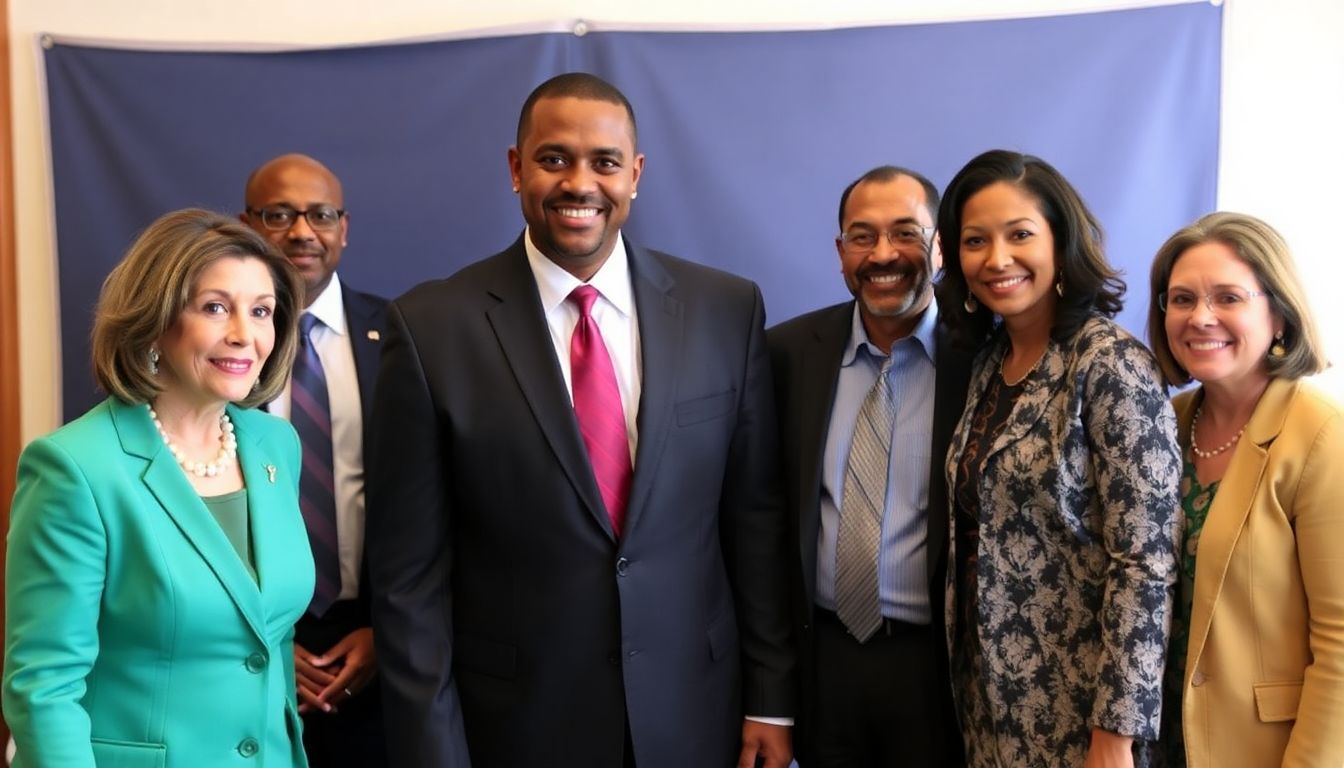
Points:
(351, 737)
(877, 703)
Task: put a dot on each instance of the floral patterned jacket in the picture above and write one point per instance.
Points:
(1079, 528)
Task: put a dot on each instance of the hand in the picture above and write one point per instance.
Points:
(766, 743)
(347, 668)
(1109, 750)
(311, 680)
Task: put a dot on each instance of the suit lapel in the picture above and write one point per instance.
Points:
(179, 500)
(818, 373)
(365, 343)
(660, 345)
(950, 376)
(272, 544)
(1233, 501)
(1037, 391)
(525, 341)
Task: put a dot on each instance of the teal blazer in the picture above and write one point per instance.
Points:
(134, 635)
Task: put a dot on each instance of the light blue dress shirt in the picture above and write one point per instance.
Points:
(902, 562)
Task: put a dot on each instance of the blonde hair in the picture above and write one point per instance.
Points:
(146, 292)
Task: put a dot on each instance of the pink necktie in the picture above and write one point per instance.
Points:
(597, 404)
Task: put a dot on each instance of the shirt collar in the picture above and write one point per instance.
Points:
(555, 284)
(858, 336)
(329, 306)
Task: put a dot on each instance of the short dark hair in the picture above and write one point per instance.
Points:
(146, 292)
(1263, 249)
(1090, 284)
(884, 173)
(578, 85)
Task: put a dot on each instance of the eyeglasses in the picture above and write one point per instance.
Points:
(905, 237)
(1225, 301)
(278, 218)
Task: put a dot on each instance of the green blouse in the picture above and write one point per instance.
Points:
(1195, 502)
(230, 511)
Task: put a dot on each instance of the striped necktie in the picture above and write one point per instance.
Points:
(597, 405)
(861, 507)
(310, 413)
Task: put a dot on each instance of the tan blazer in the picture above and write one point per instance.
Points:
(1264, 678)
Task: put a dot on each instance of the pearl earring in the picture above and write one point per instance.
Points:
(153, 361)
(633, 195)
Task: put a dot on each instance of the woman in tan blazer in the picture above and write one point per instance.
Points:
(1256, 669)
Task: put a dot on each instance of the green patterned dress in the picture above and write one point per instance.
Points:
(1195, 502)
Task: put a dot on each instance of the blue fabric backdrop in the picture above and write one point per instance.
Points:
(749, 137)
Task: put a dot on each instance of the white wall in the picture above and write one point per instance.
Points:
(1283, 91)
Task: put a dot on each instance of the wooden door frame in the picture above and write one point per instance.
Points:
(10, 408)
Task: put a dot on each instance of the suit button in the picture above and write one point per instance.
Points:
(248, 747)
(1198, 678)
(256, 663)
(622, 566)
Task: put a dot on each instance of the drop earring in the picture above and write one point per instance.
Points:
(1059, 287)
(633, 195)
(970, 304)
(1277, 350)
(153, 361)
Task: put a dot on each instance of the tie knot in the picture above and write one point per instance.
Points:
(584, 296)
(307, 322)
(886, 363)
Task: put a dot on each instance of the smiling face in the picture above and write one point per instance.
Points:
(893, 283)
(214, 351)
(301, 184)
(1224, 346)
(576, 171)
(1008, 256)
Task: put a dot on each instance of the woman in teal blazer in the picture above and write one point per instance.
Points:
(151, 595)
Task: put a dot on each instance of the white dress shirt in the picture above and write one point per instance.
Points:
(331, 339)
(614, 313)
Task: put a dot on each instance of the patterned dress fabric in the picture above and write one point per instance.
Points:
(1062, 622)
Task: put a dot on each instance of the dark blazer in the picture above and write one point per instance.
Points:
(135, 635)
(366, 321)
(806, 353)
(511, 622)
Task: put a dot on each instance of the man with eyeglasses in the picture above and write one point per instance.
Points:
(297, 203)
(868, 394)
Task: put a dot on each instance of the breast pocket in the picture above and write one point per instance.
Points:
(705, 408)
(128, 754)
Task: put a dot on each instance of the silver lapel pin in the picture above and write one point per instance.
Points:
(270, 472)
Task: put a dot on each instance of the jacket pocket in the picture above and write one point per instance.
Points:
(705, 408)
(1277, 702)
(108, 753)
(486, 657)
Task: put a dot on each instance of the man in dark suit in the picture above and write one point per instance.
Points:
(869, 608)
(297, 203)
(564, 578)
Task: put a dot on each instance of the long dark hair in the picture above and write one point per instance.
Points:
(1090, 284)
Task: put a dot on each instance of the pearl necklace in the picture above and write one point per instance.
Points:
(228, 448)
(1194, 444)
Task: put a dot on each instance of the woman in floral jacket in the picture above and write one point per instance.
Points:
(1064, 473)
